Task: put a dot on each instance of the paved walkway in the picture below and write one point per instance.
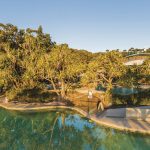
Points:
(119, 121)
(103, 118)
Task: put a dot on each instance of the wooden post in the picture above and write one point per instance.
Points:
(90, 96)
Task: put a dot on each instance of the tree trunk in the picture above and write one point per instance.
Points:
(108, 94)
(63, 94)
(54, 86)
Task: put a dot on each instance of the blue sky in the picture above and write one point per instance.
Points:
(94, 25)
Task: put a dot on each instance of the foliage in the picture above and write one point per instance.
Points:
(136, 75)
(20, 53)
(29, 60)
(103, 70)
(145, 70)
(131, 78)
(140, 98)
(64, 66)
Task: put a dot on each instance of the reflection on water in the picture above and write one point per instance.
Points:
(62, 130)
(124, 91)
(119, 90)
(128, 96)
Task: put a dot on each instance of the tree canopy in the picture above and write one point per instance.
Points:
(30, 59)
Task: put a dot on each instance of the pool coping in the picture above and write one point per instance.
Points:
(94, 118)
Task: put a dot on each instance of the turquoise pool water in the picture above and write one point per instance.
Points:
(124, 91)
(62, 130)
(119, 90)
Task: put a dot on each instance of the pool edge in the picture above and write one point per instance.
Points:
(82, 112)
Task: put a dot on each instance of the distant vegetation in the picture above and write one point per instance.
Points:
(30, 60)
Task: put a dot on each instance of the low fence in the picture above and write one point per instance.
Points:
(87, 104)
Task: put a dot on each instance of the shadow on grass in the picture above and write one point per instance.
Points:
(35, 95)
(38, 95)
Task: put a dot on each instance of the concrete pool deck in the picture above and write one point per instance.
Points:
(103, 118)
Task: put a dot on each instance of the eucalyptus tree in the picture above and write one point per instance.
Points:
(10, 40)
(132, 77)
(104, 70)
(145, 70)
(62, 65)
(34, 50)
(136, 75)
(84, 56)
(20, 54)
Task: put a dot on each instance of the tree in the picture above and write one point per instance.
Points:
(20, 56)
(136, 75)
(145, 70)
(62, 65)
(132, 77)
(104, 70)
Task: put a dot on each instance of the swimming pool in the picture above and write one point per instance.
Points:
(62, 129)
